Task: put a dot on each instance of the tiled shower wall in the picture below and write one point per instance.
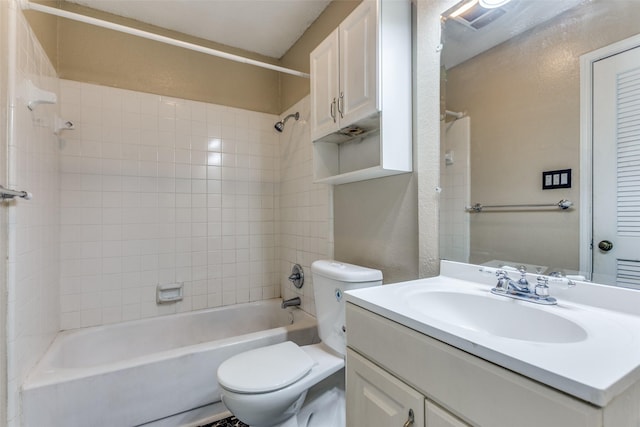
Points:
(455, 140)
(33, 225)
(158, 190)
(306, 214)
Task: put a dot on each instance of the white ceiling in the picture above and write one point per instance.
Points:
(462, 42)
(268, 27)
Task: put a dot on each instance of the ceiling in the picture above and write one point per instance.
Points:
(463, 40)
(267, 27)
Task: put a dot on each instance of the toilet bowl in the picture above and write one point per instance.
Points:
(266, 387)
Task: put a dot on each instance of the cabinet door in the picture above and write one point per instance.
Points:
(438, 417)
(324, 87)
(358, 97)
(375, 398)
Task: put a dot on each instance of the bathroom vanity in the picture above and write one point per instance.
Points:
(504, 364)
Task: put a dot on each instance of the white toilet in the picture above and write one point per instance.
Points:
(267, 386)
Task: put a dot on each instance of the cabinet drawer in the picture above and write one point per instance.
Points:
(473, 389)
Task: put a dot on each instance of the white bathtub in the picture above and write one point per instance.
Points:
(132, 373)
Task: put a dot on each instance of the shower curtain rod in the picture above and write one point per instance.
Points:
(26, 4)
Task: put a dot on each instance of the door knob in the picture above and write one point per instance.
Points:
(605, 245)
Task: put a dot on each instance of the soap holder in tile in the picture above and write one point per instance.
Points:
(169, 292)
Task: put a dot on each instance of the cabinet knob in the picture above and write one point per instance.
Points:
(410, 419)
(341, 105)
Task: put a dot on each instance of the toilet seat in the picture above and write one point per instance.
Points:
(265, 369)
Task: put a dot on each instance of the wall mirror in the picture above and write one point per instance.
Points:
(510, 111)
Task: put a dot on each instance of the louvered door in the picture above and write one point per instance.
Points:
(616, 169)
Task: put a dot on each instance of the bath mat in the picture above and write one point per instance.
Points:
(227, 422)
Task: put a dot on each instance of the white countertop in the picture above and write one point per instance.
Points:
(595, 369)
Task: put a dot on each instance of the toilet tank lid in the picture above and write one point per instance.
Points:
(345, 272)
(265, 369)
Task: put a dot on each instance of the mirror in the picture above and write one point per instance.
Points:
(510, 112)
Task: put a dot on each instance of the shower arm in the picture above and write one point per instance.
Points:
(26, 4)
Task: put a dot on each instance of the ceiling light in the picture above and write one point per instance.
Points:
(463, 8)
(492, 4)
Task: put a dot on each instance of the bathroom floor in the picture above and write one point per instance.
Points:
(227, 422)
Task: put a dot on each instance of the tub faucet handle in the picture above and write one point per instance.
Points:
(297, 276)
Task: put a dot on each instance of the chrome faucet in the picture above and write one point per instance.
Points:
(291, 302)
(520, 289)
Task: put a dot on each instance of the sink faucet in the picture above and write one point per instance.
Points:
(291, 302)
(520, 290)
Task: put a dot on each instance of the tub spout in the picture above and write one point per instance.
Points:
(291, 302)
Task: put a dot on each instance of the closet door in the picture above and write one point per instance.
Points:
(616, 169)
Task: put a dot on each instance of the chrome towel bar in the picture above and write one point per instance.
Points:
(563, 204)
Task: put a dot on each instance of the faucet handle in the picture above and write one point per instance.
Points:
(501, 274)
(542, 288)
(523, 276)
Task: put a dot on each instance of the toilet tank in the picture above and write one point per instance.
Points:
(330, 280)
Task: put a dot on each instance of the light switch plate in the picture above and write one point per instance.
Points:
(556, 179)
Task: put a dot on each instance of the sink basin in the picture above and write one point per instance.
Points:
(504, 317)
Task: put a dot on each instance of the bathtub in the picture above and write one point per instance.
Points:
(136, 372)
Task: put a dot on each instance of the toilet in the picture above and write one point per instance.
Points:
(267, 387)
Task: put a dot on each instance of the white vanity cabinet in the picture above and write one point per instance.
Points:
(376, 398)
(460, 389)
(361, 107)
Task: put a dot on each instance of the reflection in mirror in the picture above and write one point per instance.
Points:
(510, 111)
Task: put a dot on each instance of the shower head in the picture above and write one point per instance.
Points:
(280, 125)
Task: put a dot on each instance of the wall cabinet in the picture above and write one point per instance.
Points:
(460, 389)
(344, 74)
(361, 114)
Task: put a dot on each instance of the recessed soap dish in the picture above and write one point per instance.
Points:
(169, 292)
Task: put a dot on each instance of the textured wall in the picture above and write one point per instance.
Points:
(91, 54)
(427, 128)
(376, 225)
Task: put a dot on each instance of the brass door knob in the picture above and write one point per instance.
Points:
(605, 245)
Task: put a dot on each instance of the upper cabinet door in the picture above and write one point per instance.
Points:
(358, 97)
(324, 87)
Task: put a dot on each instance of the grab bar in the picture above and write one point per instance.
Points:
(563, 204)
(5, 193)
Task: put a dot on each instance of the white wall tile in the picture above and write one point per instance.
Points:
(303, 208)
(33, 227)
(152, 171)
